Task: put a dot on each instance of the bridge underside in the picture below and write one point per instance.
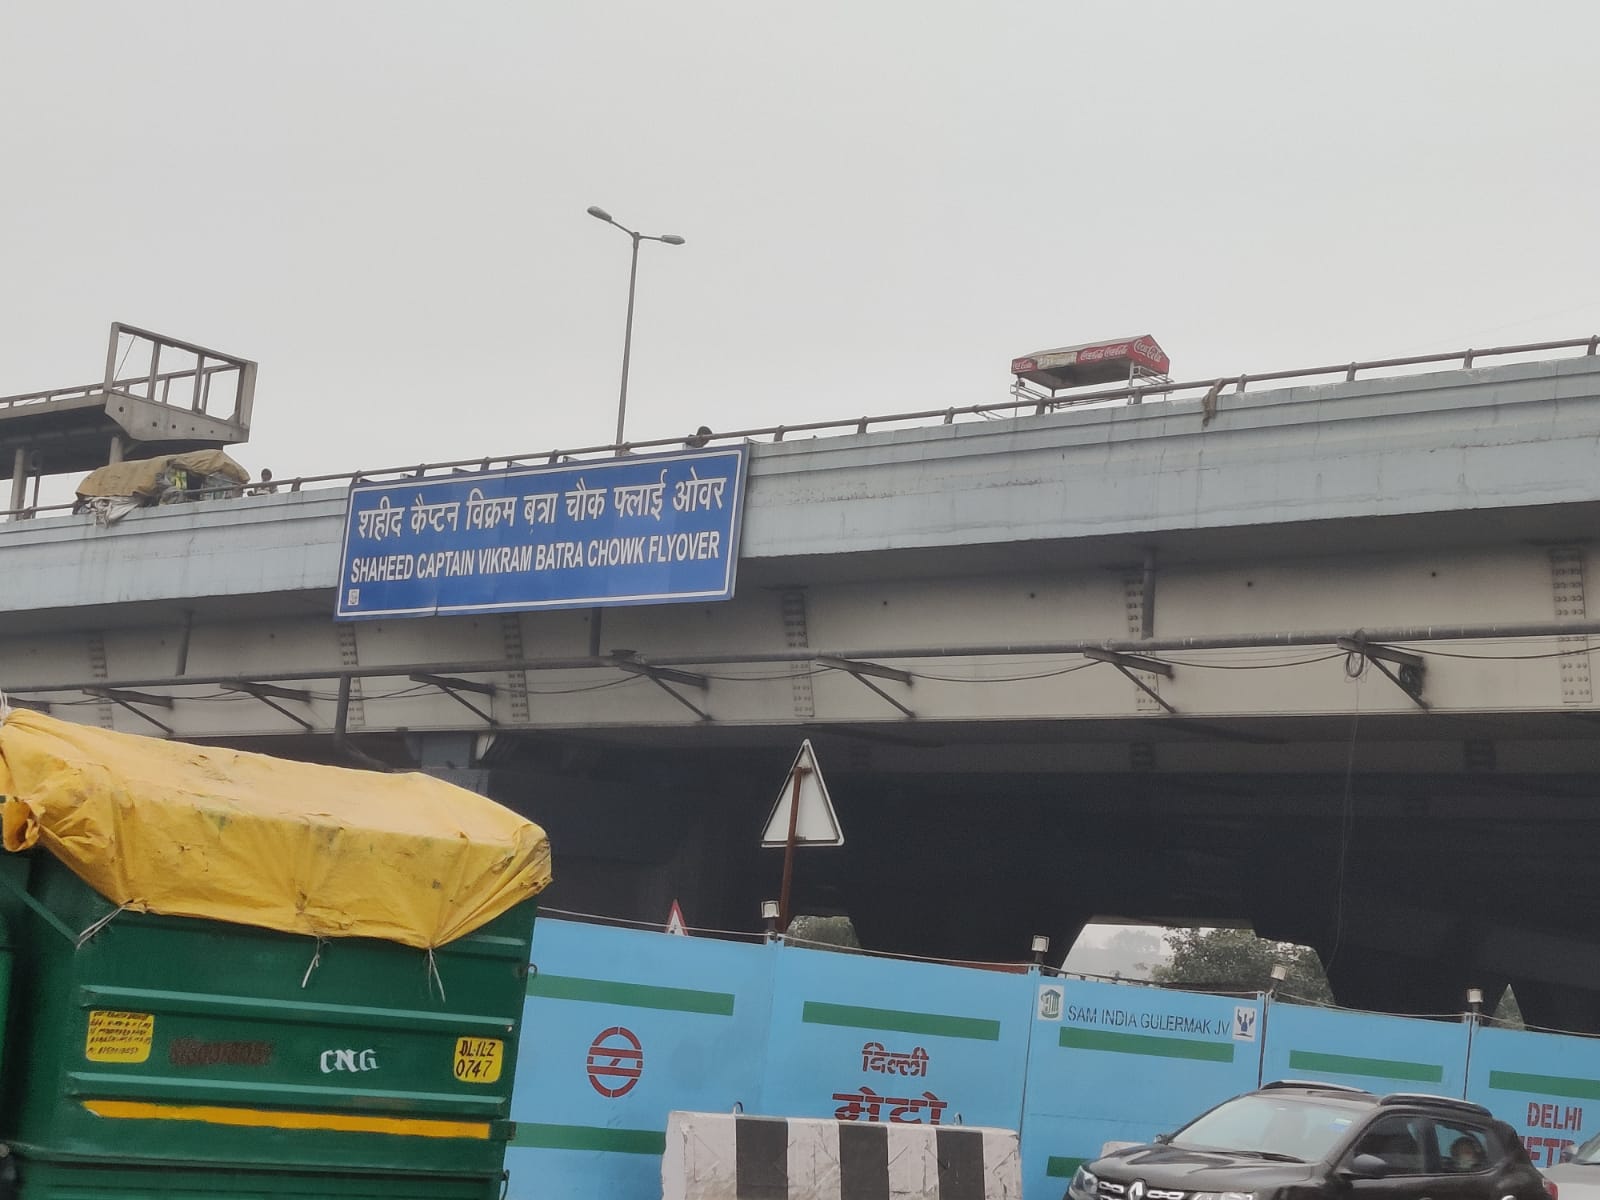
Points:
(1413, 876)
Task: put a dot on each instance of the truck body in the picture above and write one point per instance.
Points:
(148, 1055)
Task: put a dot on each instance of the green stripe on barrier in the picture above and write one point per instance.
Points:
(631, 995)
(589, 1137)
(1142, 1043)
(1375, 1068)
(978, 1029)
(1063, 1168)
(1548, 1085)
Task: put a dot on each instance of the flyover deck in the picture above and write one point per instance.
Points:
(1368, 464)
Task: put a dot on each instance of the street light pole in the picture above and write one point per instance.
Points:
(670, 239)
(627, 340)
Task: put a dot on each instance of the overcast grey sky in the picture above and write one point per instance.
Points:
(384, 203)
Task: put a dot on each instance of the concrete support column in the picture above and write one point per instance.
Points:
(19, 481)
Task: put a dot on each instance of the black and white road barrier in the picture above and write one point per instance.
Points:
(723, 1156)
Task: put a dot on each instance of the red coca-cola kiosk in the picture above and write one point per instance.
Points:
(1102, 364)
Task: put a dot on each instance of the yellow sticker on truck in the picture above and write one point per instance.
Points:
(478, 1060)
(119, 1037)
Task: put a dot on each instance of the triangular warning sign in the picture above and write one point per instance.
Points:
(817, 824)
(675, 921)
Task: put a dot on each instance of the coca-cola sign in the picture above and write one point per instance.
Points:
(1151, 354)
(1094, 361)
(1094, 354)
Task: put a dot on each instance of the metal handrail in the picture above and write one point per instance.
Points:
(98, 387)
(776, 433)
(155, 385)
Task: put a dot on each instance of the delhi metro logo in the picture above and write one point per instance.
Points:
(616, 1060)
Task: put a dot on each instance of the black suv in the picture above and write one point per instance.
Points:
(1319, 1141)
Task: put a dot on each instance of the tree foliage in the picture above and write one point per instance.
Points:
(1508, 1012)
(1236, 960)
(825, 933)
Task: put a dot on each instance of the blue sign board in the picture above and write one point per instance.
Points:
(651, 529)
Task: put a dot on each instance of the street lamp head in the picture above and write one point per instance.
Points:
(599, 213)
(672, 239)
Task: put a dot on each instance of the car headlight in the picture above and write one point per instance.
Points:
(1085, 1184)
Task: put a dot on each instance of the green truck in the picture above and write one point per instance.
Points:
(173, 1057)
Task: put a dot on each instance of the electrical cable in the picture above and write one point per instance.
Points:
(1499, 657)
(771, 677)
(1334, 1006)
(932, 678)
(790, 939)
(1269, 666)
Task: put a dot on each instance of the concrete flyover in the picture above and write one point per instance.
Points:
(941, 608)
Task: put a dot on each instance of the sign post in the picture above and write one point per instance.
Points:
(675, 923)
(802, 816)
(798, 775)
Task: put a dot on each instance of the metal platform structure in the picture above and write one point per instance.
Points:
(1139, 362)
(159, 395)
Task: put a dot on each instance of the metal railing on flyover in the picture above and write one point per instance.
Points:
(153, 384)
(1134, 393)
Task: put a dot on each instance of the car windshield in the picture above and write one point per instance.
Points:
(1589, 1153)
(1275, 1126)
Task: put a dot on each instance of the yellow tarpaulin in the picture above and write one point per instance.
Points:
(194, 831)
(142, 477)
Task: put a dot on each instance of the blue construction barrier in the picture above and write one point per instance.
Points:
(1365, 1050)
(623, 1027)
(1111, 1063)
(885, 1040)
(1547, 1086)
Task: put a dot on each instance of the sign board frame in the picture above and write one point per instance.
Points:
(597, 533)
(676, 925)
(812, 791)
